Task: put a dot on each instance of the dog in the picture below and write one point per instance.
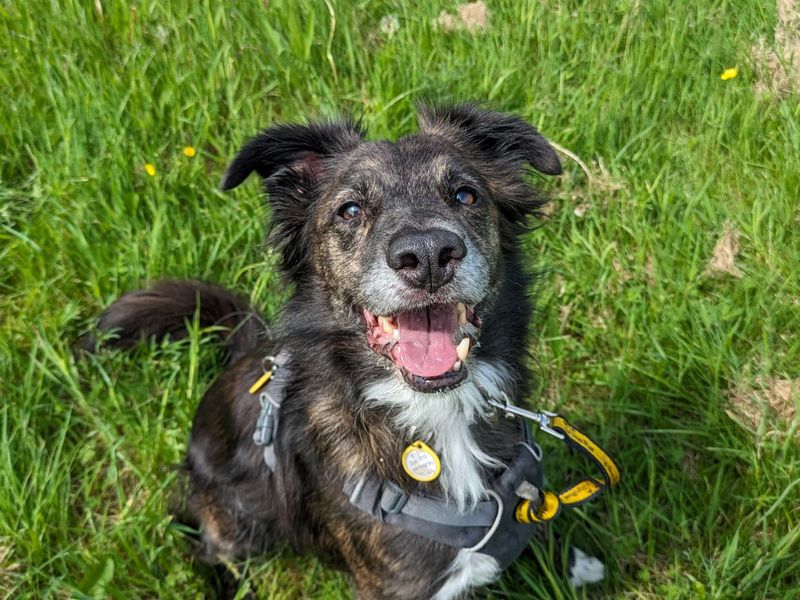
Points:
(357, 430)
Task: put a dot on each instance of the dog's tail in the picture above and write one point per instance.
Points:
(168, 307)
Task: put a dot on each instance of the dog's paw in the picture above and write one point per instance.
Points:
(583, 568)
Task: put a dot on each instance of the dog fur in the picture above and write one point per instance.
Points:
(348, 412)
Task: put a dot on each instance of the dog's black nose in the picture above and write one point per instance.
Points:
(426, 259)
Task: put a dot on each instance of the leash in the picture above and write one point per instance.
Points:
(582, 491)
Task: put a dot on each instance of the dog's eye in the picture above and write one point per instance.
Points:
(349, 211)
(465, 197)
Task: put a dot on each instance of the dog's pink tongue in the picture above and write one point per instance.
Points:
(426, 345)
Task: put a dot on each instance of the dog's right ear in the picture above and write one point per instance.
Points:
(298, 148)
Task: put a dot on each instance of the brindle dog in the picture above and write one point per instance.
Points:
(409, 292)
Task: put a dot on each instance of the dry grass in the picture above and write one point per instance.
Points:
(778, 65)
(723, 257)
(769, 404)
(472, 17)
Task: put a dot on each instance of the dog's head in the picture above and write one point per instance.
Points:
(408, 238)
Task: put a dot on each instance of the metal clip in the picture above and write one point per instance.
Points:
(544, 424)
(543, 418)
(268, 363)
(262, 436)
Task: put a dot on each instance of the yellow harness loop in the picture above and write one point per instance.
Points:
(549, 509)
(576, 494)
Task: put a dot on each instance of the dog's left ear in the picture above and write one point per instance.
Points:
(495, 135)
(299, 148)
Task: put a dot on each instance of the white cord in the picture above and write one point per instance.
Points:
(494, 526)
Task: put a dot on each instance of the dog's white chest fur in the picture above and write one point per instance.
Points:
(443, 420)
(469, 569)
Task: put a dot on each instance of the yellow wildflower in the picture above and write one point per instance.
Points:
(150, 169)
(189, 151)
(729, 74)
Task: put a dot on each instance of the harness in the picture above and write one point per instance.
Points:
(500, 526)
(271, 397)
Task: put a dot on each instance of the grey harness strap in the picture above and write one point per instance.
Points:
(383, 499)
(271, 398)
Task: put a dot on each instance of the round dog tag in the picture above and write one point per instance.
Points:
(420, 462)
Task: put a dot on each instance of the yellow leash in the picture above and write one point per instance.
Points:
(576, 494)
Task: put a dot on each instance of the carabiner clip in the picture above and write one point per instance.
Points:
(542, 419)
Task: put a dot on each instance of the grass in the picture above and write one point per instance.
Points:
(637, 343)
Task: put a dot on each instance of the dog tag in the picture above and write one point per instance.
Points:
(421, 462)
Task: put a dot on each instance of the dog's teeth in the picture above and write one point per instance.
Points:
(462, 314)
(457, 365)
(396, 334)
(386, 324)
(463, 349)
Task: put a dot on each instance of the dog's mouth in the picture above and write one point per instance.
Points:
(430, 345)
